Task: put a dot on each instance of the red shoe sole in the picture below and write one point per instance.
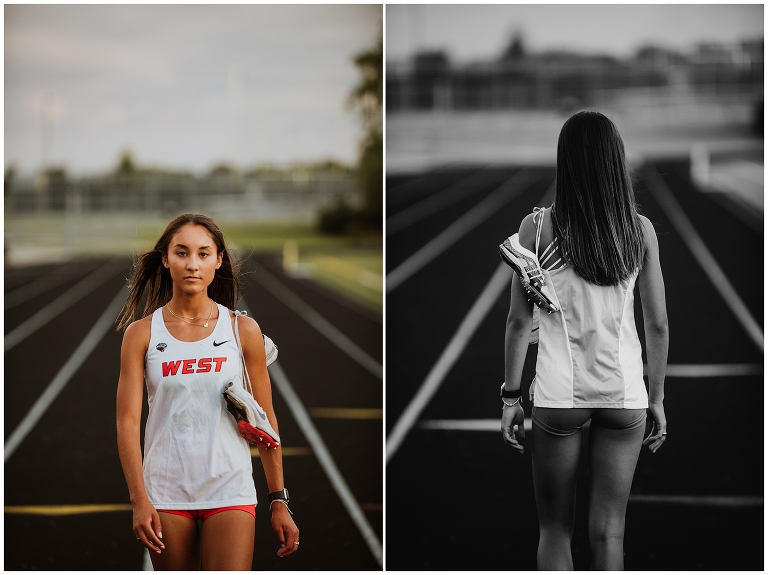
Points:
(255, 436)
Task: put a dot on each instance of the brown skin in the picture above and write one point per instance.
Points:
(192, 260)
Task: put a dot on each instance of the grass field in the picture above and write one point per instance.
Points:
(351, 265)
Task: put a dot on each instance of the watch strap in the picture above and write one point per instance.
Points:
(511, 394)
(282, 494)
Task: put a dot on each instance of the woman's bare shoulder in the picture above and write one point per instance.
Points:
(138, 333)
(647, 224)
(247, 326)
(651, 241)
(527, 232)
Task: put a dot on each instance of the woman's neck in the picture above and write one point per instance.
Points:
(191, 305)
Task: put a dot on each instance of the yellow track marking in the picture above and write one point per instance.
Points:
(101, 508)
(66, 509)
(345, 413)
(287, 451)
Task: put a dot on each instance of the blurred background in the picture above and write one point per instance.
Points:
(266, 118)
(496, 82)
(118, 118)
(475, 100)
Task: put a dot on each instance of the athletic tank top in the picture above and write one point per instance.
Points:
(589, 354)
(194, 458)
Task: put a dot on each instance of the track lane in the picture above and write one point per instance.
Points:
(703, 459)
(432, 305)
(71, 458)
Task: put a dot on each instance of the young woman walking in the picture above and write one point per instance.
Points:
(589, 366)
(195, 465)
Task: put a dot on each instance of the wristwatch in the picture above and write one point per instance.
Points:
(511, 394)
(282, 494)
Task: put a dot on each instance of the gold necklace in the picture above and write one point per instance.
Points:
(210, 313)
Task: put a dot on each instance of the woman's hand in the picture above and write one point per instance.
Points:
(658, 433)
(146, 526)
(285, 528)
(510, 417)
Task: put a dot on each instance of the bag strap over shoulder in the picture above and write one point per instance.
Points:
(540, 213)
(246, 378)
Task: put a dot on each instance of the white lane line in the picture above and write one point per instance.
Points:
(66, 372)
(63, 302)
(706, 260)
(699, 500)
(450, 355)
(469, 424)
(325, 459)
(458, 229)
(438, 201)
(494, 425)
(710, 369)
(147, 562)
(358, 308)
(415, 184)
(38, 286)
(326, 328)
(304, 421)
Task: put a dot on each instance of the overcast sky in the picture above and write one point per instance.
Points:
(482, 32)
(182, 86)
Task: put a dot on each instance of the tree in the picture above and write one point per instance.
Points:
(367, 97)
(126, 165)
(516, 48)
(10, 173)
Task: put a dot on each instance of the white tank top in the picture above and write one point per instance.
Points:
(589, 354)
(194, 458)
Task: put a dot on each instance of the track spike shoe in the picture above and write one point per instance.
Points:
(270, 349)
(527, 267)
(252, 422)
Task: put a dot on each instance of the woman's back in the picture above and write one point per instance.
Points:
(589, 354)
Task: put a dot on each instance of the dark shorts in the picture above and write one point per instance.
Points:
(565, 422)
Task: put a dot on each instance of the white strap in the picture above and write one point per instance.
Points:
(246, 378)
(538, 212)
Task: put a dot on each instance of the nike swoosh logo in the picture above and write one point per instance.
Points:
(220, 343)
(263, 415)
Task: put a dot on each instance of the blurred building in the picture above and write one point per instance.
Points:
(563, 80)
(295, 194)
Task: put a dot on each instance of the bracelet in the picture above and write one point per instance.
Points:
(283, 501)
(516, 402)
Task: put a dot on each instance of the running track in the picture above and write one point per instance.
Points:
(66, 502)
(458, 498)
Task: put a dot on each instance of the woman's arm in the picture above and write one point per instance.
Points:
(130, 388)
(271, 459)
(516, 337)
(651, 285)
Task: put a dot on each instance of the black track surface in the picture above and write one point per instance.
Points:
(70, 457)
(477, 510)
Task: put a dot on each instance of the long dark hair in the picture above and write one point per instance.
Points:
(150, 275)
(595, 216)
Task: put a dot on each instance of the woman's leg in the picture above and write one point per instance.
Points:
(555, 448)
(182, 544)
(615, 439)
(227, 541)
